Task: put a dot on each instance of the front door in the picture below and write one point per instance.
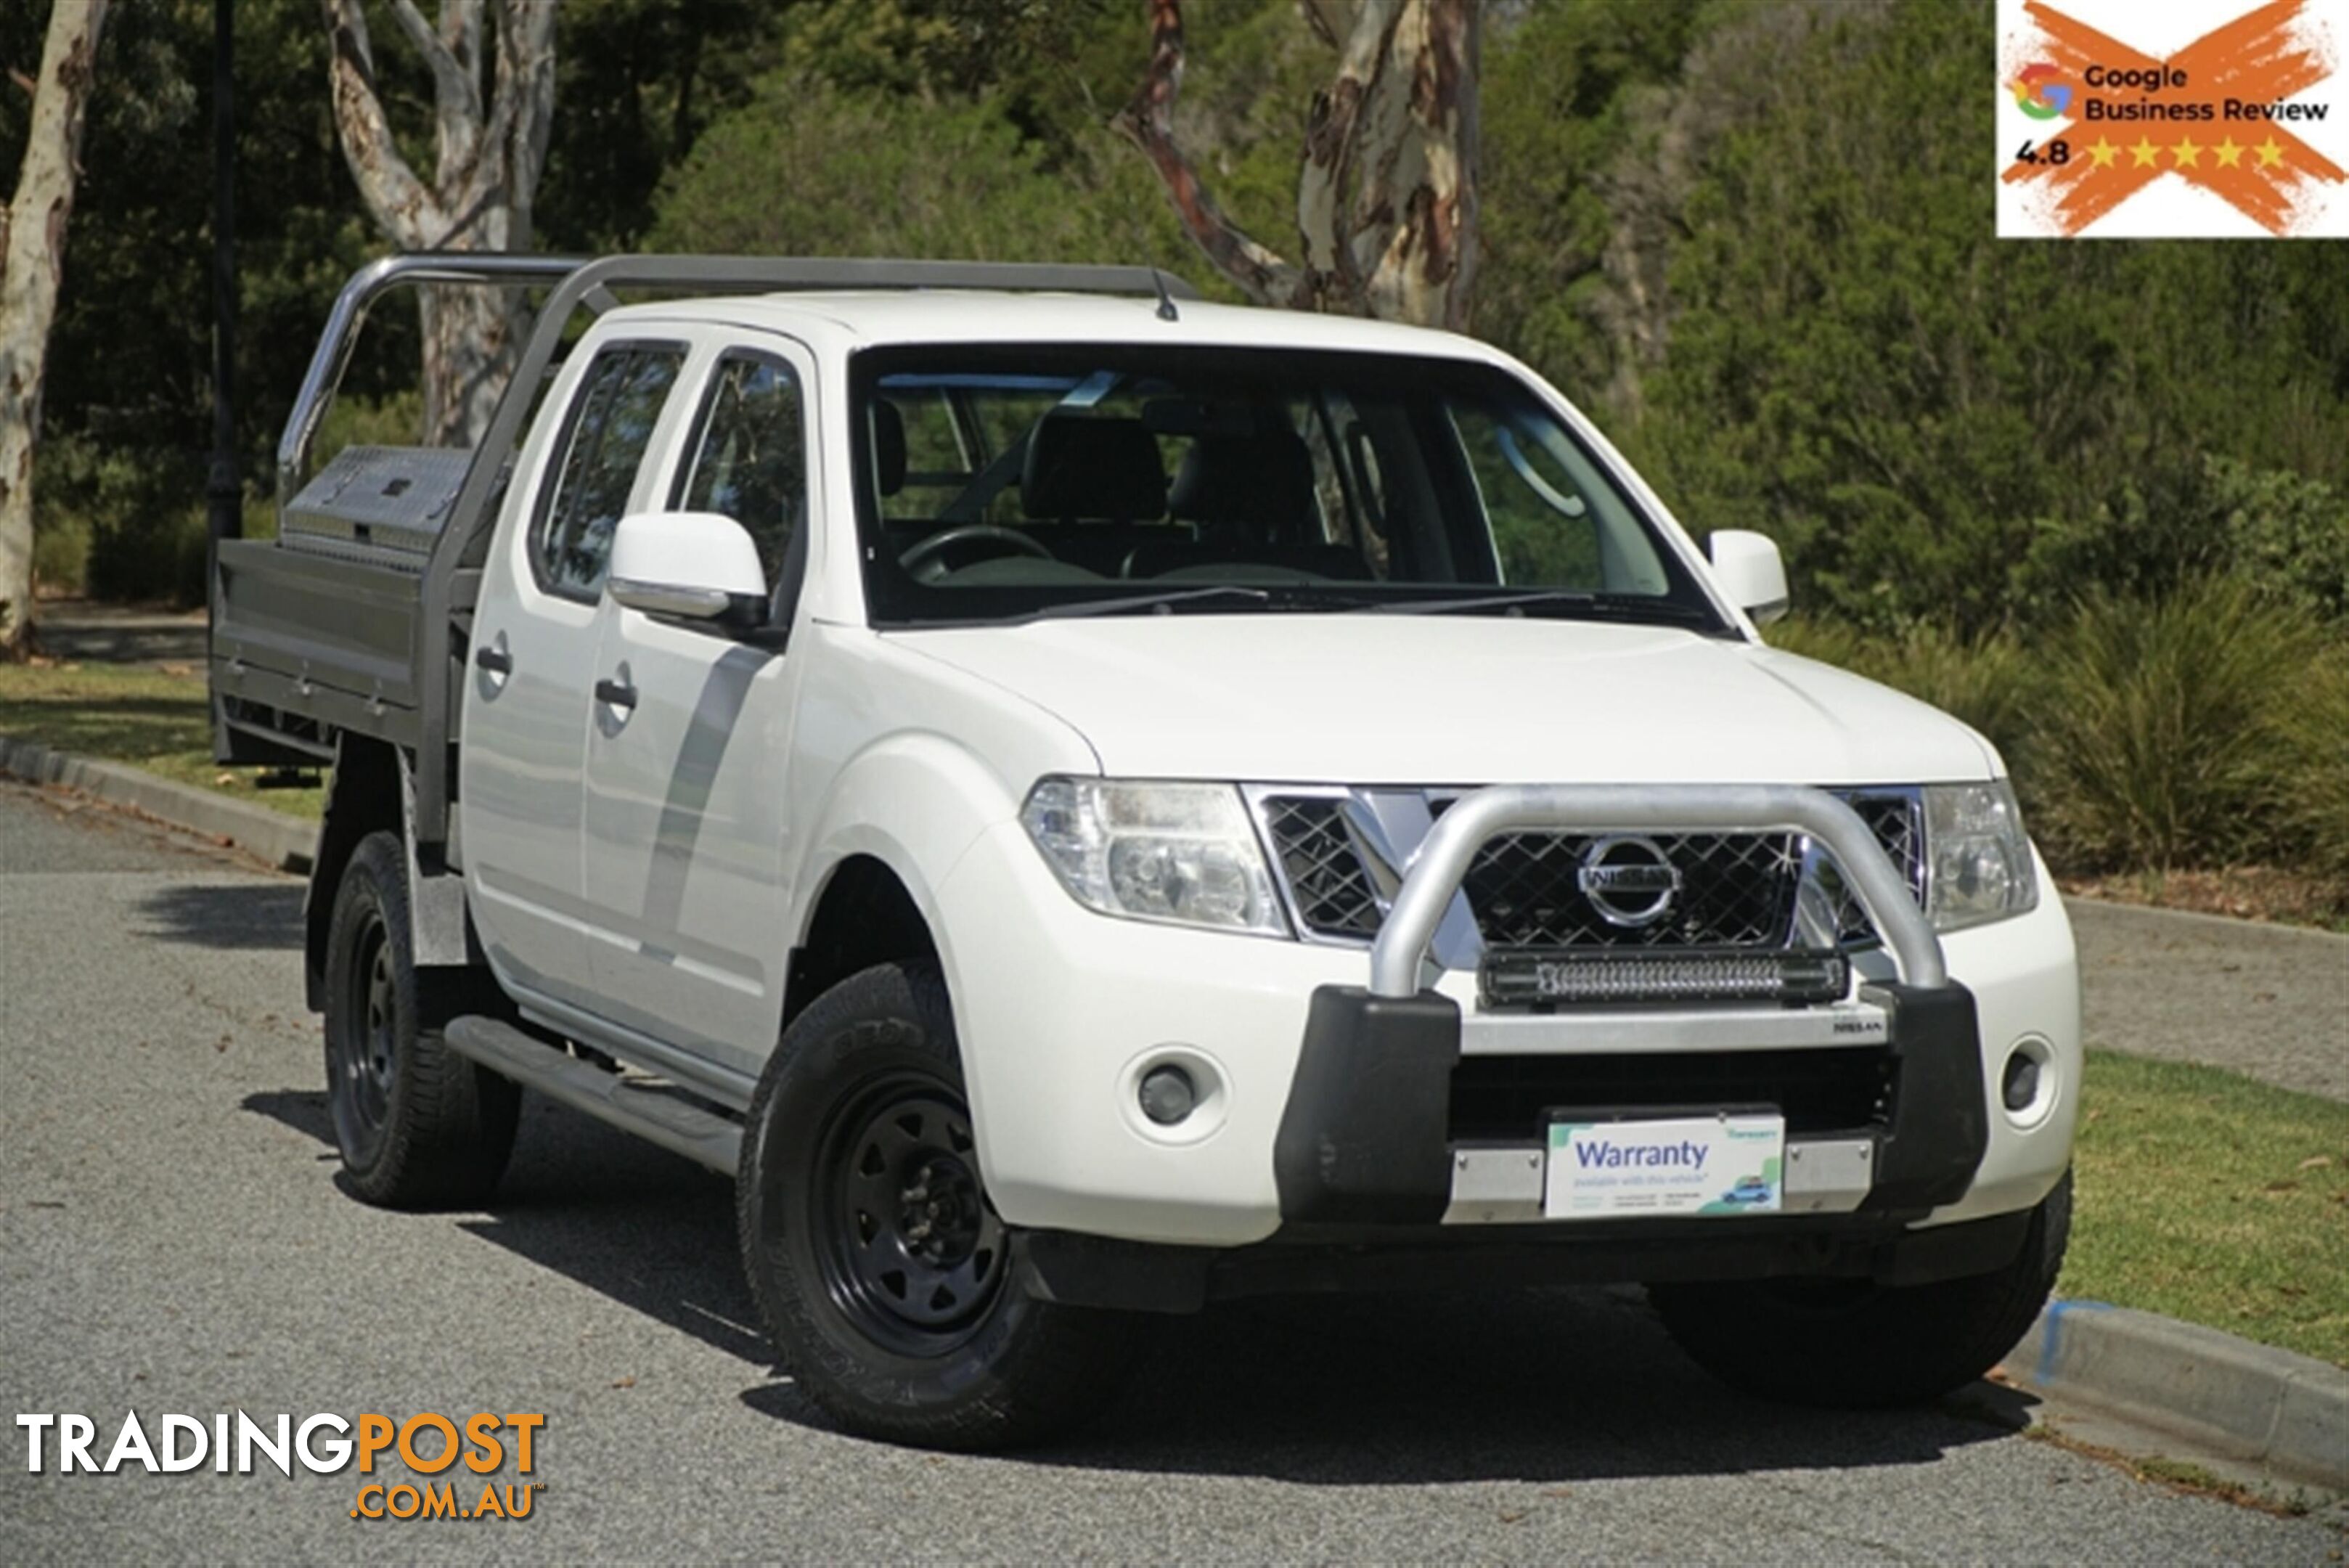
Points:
(686, 776)
(526, 713)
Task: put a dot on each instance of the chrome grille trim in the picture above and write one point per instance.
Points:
(1402, 956)
(1338, 854)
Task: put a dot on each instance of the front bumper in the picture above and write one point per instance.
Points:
(1330, 1124)
(1368, 1138)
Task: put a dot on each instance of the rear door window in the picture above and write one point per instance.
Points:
(618, 405)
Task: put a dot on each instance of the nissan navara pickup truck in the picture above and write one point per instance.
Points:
(1089, 803)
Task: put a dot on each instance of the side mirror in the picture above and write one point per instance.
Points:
(700, 565)
(1748, 568)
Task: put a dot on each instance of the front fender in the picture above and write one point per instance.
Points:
(914, 802)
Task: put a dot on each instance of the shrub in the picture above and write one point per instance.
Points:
(2286, 533)
(2312, 719)
(2156, 744)
(140, 512)
(60, 551)
(151, 555)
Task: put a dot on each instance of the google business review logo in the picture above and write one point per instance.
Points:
(2041, 91)
(2189, 119)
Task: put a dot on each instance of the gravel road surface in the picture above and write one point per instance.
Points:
(172, 1239)
(2268, 1001)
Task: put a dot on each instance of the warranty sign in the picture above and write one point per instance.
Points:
(2172, 119)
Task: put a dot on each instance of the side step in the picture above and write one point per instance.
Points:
(702, 1136)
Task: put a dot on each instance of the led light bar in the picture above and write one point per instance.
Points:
(1538, 978)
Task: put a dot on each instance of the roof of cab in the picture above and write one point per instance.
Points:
(851, 320)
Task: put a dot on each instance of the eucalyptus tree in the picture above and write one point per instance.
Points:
(1386, 190)
(490, 149)
(32, 265)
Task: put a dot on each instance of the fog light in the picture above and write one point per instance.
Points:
(1168, 1095)
(2021, 1086)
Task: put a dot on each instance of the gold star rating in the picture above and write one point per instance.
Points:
(2143, 152)
(2185, 154)
(2229, 155)
(2269, 153)
(2103, 152)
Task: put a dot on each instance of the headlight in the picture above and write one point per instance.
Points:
(1980, 865)
(1184, 852)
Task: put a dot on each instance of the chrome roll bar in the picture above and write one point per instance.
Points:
(1443, 857)
(333, 354)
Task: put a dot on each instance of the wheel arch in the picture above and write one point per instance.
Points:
(865, 914)
(896, 820)
(364, 795)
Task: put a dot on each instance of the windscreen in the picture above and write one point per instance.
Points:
(1006, 482)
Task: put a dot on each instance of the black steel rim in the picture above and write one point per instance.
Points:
(912, 1252)
(363, 1058)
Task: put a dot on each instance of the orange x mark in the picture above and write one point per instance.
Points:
(2254, 59)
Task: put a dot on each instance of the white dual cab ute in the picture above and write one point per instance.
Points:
(1091, 803)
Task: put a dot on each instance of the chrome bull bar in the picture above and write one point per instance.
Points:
(1399, 958)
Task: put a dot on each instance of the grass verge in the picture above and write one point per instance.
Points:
(152, 719)
(2206, 1196)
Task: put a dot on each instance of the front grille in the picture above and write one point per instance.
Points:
(1842, 1088)
(1333, 893)
(1898, 822)
(1738, 890)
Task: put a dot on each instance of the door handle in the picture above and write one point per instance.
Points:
(619, 693)
(494, 658)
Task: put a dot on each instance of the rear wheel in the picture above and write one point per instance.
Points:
(1853, 1344)
(880, 1268)
(418, 1125)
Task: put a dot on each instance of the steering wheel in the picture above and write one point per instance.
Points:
(925, 561)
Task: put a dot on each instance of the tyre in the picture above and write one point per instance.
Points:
(1857, 1345)
(418, 1125)
(880, 1268)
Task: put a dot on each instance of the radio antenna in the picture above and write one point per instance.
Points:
(1167, 311)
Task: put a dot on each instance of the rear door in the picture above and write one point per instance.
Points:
(524, 740)
(688, 781)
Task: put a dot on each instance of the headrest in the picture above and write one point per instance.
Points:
(1079, 466)
(888, 446)
(1260, 483)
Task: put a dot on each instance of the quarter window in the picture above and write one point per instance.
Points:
(619, 402)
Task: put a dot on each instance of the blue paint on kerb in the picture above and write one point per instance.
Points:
(2050, 1341)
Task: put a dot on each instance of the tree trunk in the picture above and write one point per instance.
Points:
(1386, 190)
(472, 340)
(488, 155)
(32, 264)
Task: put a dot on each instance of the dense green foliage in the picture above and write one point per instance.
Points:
(1754, 237)
(2207, 727)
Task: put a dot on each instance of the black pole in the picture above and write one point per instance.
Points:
(226, 488)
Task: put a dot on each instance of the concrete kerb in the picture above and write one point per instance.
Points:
(286, 842)
(2287, 1414)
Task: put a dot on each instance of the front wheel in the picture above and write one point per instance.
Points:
(880, 1268)
(1852, 1343)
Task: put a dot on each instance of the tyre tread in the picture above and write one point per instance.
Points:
(1058, 1367)
(452, 1122)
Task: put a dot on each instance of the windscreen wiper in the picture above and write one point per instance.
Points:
(1299, 596)
(1153, 603)
(1573, 602)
